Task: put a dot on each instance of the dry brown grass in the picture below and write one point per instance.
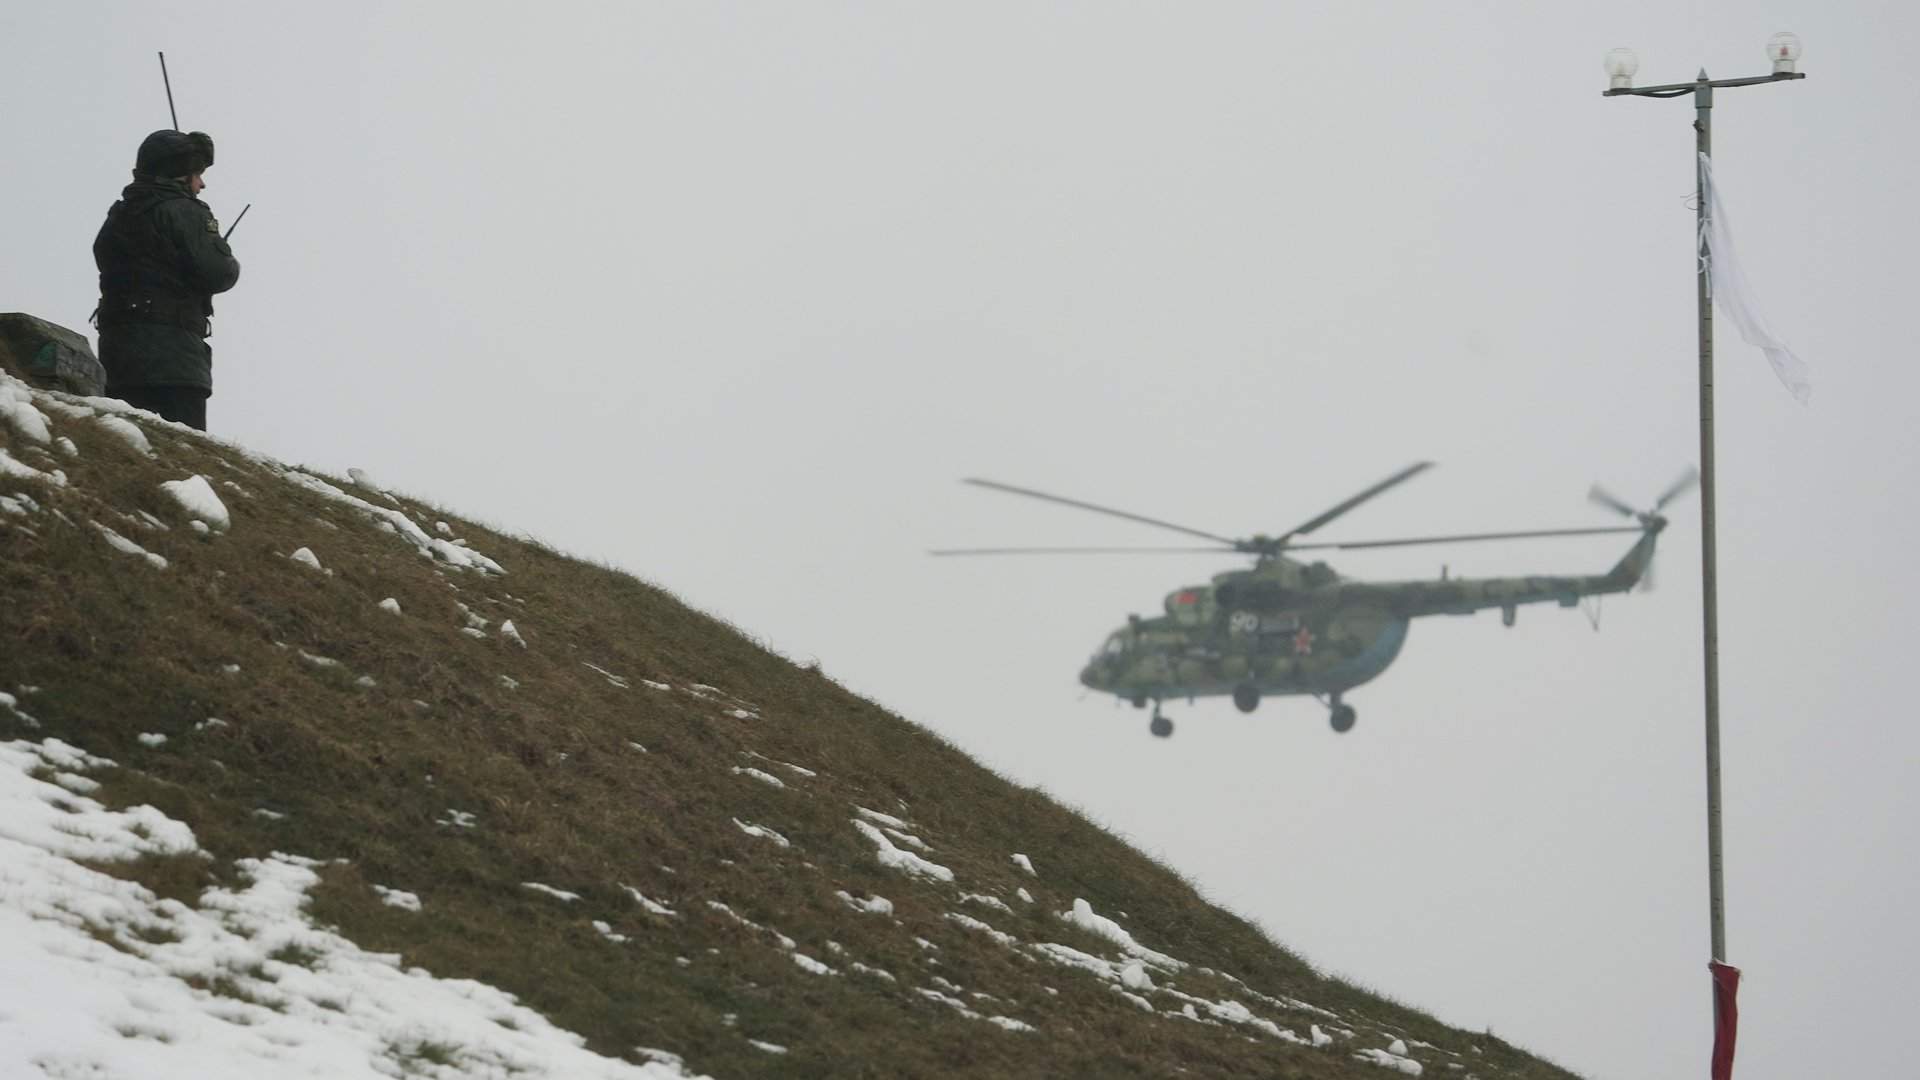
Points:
(559, 796)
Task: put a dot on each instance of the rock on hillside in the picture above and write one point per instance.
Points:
(300, 776)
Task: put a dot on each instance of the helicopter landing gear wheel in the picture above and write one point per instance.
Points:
(1160, 725)
(1246, 697)
(1342, 717)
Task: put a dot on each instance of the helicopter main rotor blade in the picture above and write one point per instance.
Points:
(1601, 497)
(1402, 476)
(1084, 551)
(1466, 538)
(1108, 510)
(1688, 480)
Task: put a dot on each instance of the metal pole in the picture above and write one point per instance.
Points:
(1709, 587)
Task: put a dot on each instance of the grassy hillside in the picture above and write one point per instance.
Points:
(615, 745)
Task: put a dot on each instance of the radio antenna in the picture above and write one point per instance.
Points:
(169, 85)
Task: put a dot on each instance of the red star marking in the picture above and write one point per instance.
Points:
(1303, 642)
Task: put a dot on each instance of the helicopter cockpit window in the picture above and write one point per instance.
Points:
(1115, 645)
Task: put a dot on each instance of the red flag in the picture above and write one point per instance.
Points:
(1726, 1017)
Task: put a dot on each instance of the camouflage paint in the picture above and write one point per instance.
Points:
(1289, 628)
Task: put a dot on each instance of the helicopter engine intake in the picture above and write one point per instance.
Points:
(1256, 596)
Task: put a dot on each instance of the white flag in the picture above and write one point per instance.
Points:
(1728, 285)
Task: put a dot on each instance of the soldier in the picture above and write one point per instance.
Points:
(161, 259)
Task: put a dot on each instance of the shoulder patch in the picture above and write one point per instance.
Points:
(213, 225)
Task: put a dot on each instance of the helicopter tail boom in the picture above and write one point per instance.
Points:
(1464, 596)
(1632, 567)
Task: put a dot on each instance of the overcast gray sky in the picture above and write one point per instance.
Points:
(730, 295)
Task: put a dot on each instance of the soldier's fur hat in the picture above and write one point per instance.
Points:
(174, 153)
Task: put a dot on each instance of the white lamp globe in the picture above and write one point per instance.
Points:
(1783, 49)
(1621, 64)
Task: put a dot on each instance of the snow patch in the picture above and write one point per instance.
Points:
(884, 819)
(972, 923)
(1387, 1059)
(128, 432)
(762, 831)
(1006, 1022)
(97, 953)
(904, 861)
(127, 547)
(25, 420)
(616, 680)
(784, 941)
(986, 901)
(196, 497)
(909, 839)
(399, 898)
(1236, 1013)
(764, 777)
(366, 480)
(1084, 917)
(872, 905)
(396, 522)
(651, 907)
(12, 468)
(1067, 956)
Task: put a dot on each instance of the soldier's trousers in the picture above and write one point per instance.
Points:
(181, 404)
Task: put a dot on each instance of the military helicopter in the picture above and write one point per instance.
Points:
(1286, 627)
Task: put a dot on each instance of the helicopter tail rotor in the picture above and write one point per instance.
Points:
(1600, 496)
(1687, 482)
(1652, 520)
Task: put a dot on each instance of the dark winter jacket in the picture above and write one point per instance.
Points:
(161, 259)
